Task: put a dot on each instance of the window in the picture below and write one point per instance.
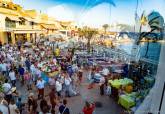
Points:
(4, 5)
(31, 23)
(9, 23)
(22, 22)
(15, 8)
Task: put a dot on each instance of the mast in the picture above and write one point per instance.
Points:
(136, 16)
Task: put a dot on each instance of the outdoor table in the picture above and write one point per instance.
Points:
(126, 101)
(121, 82)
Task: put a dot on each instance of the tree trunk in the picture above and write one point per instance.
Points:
(88, 45)
(105, 32)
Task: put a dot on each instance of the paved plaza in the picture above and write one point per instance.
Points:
(76, 103)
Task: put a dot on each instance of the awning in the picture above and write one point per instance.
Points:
(58, 26)
(46, 26)
(31, 20)
(13, 18)
(65, 23)
(27, 31)
(22, 18)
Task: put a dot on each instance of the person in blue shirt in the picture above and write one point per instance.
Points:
(21, 72)
(19, 105)
(69, 70)
(28, 64)
(63, 109)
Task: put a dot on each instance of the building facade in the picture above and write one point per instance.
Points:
(17, 24)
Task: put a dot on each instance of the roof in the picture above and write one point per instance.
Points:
(48, 26)
(52, 26)
(31, 19)
(58, 26)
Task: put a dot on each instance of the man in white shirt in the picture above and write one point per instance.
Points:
(67, 82)
(12, 77)
(34, 72)
(4, 68)
(102, 82)
(105, 72)
(58, 87)
(40, 85)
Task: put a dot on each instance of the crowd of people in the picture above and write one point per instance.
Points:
(18, 65)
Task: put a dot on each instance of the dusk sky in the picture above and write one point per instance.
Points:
(94, 12)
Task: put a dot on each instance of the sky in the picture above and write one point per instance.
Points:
(94, 13)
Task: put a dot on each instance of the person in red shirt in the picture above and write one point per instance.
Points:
(88, 108)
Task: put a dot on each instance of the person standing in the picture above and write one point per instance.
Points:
(28, 80)
(12, 77)
(92, 81)
(7, 90)
(44, 106)
(52, 82)
(102, 83)
(53, 98)
(28, 64)
(19, 45)
(3, 105)
(19, 105)
(4, 68)
(33, 73)
(105, 71)
(58, 87)
(21, 71)
(63, 109)
(67, 82)
(40, 85)
(13, 108)
(88, 108)
(32, 104)
(80, 75)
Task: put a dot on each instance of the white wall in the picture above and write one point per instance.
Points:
(2, 21)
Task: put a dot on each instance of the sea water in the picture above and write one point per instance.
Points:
(153, 50)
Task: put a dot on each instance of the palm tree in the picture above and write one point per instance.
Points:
(87, 33)
(105, 26)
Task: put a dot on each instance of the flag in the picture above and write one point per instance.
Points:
(143, 20)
